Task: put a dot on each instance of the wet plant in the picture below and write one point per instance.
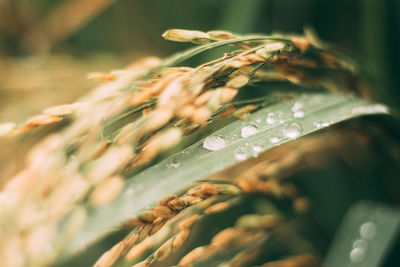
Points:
(159, 150)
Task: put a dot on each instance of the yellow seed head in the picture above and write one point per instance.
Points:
(6, 128)
(203, 98)
(157, 225)
(145, 63)
(238, 81)
(227, 94)
(101, 77)
(163, 212)
(165, 200)
(180, 239)
(139, 249)
(147, 216)
(179, 35)
(224, 237)
(201, 115)
(164, 250)
(217, 208)
(63, 110)
(301, 42)
(191, 200)
(221, 35)
(170, 138)
(192, 256)
(176, 204)
(157, 119)
(106, 191)
(188, 222)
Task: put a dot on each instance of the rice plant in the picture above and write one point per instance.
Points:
(169, 165)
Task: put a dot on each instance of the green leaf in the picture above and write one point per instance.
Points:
(270, 126)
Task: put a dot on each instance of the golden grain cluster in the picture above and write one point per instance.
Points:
(125, 123)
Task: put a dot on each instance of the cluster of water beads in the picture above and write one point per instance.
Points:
(297, 110)
(282, 116)
(291, 131)
(248, 150)
(367, 231)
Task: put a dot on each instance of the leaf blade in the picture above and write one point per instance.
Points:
(196, 162)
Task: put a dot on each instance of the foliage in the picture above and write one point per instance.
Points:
(108, 173)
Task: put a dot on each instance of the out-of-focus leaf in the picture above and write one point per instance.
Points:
(365, 236)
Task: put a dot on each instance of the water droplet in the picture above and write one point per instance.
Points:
(240, 153)
(6, 128)
(368, 230)
(257, 149)
(357, 255)
(249, 131)
(299, 114)
(297, 106)
(174, 163)
(271, 118)
(275, 139)
(292, 130)
(214, 143)
(320, 124)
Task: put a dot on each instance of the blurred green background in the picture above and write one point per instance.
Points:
(126, 29)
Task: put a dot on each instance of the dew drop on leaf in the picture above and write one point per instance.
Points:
(368, 230)
(214, 143)
(275, 139)
(249, 130)
(292, 130)
(320, 124)
(257, 149)
(297, 106)
(240, 153)
(174, 163)
(299, 114)
(357, 255)
(271, 119)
